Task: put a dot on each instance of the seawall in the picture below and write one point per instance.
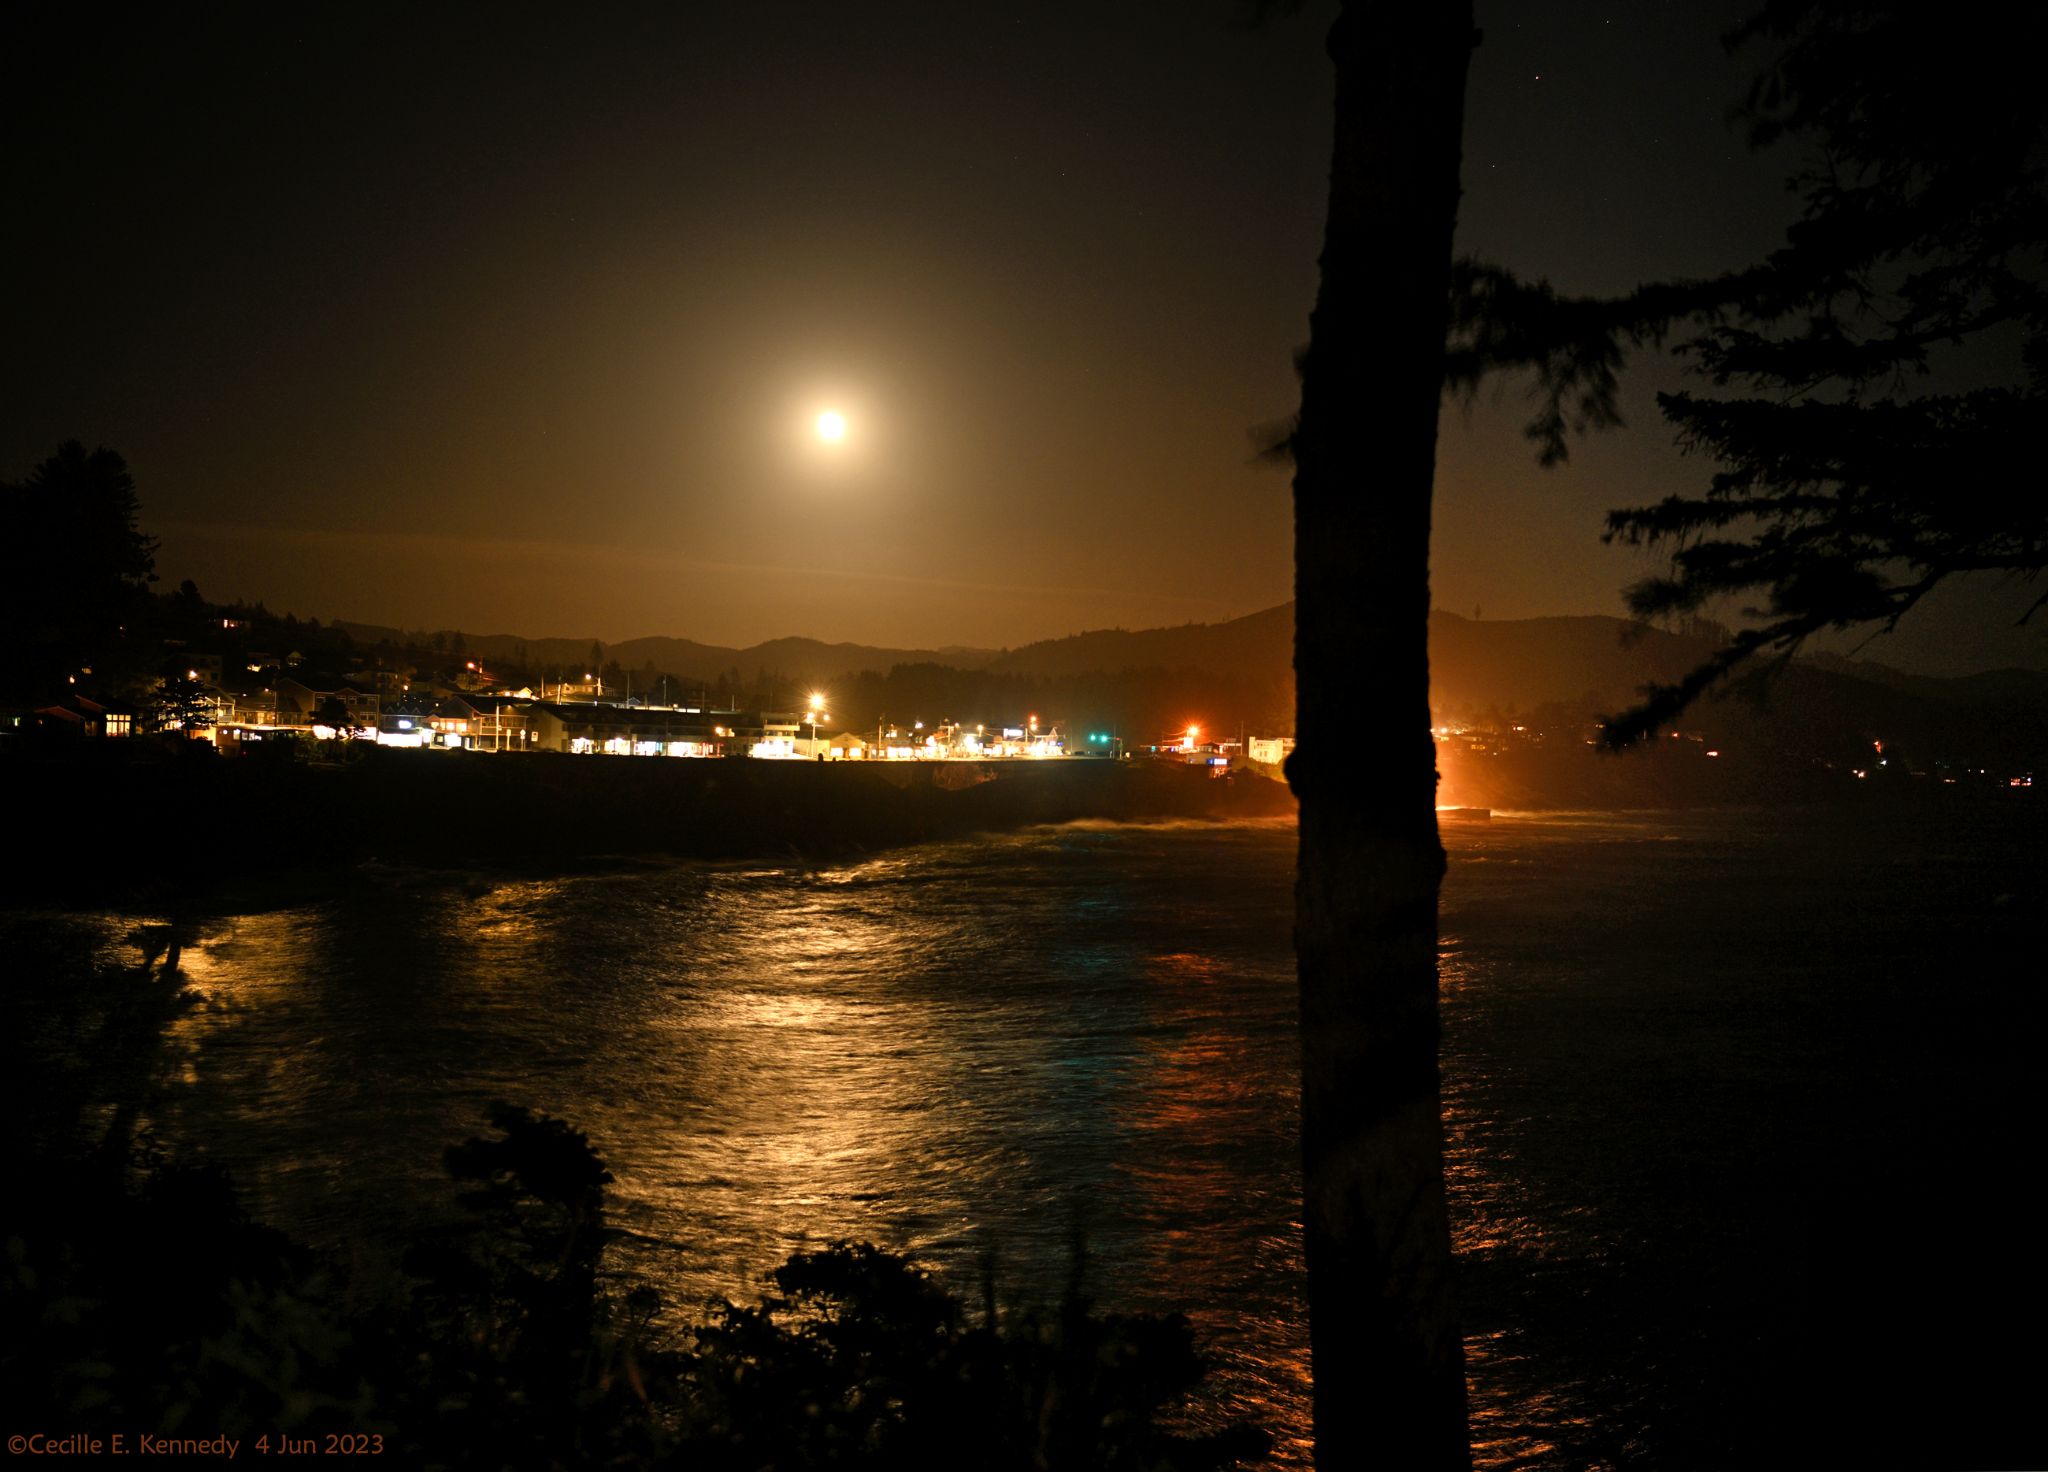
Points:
(143, 824)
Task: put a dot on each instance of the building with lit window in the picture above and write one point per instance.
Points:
(618, 730)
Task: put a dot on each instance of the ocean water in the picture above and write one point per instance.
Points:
(1733, 1099)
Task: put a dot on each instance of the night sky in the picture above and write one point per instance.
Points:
(518, 319)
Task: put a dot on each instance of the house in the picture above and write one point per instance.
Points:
(78, 717)
(298, 704)
(615, 730)
(1272, 750)
(407, 723)
(486, 722)
(775, 735)
(247, 710)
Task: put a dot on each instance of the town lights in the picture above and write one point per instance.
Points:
(817, 715)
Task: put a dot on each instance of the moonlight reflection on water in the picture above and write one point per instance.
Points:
(1656, 1025)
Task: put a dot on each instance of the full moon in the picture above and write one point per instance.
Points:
(832, 425)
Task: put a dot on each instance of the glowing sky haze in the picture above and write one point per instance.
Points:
(528, 319)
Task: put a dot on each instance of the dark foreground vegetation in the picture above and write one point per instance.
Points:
(210, 821)
(138, 1298)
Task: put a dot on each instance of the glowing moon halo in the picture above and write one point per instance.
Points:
(831, 426)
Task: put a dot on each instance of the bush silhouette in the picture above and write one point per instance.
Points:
(137, 1293)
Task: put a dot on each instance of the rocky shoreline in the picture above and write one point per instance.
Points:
(153, 828)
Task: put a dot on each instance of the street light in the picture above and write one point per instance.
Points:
(817, 715)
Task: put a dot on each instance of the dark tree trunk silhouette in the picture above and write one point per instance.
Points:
(1387, 1358)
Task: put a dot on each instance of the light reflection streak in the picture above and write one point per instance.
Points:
(974, 1044)
(1206, 1089)
(973, 1047)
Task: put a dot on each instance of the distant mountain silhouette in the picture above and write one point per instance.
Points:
(794, 658)
(2017, 688)
(1591, 663)
(1259, 644)
(1817, 706)
(1569, 669)
(1566, 668)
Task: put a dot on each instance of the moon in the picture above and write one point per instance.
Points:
(831, 426)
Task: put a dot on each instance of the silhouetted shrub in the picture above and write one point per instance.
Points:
(137, 1294)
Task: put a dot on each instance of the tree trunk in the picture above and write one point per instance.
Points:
(1388, 1361)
